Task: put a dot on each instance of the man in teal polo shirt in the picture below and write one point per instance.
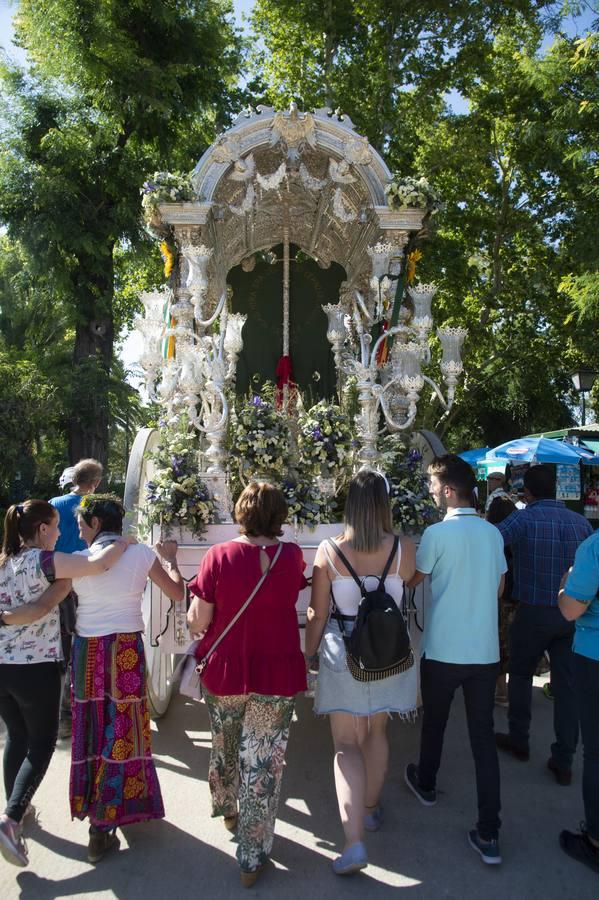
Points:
(579, 601)
(464, 557)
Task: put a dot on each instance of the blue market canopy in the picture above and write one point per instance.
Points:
(472, 457)
(538, 450)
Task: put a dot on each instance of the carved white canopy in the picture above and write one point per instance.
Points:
(310, 172)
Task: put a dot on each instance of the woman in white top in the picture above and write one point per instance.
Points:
(113, 778)
(31, 654)
(358, 711)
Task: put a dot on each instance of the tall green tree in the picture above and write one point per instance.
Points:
(114, 90)
(517, 171)
(387, 63)
(520, 215)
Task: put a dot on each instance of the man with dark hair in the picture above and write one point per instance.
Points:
(464, 557)
(544, 537)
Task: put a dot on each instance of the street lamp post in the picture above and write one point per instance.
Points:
(583, 381)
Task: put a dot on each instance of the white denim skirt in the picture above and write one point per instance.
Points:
(338, 691)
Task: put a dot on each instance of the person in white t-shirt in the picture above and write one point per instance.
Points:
(113, 779)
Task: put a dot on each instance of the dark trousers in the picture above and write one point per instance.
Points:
(29, 701)
(586, 679)
(439, 682)
(534, 630)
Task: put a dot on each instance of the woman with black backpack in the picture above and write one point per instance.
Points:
(355, 611)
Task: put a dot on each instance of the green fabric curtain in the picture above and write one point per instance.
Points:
(259, 295)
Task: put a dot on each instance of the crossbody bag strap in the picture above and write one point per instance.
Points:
(202, 663)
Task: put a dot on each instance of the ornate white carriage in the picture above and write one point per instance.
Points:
(309, 186)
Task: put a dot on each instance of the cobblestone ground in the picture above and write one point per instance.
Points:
(421, 850)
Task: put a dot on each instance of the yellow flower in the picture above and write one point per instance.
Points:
(414, 257)
(168, 258)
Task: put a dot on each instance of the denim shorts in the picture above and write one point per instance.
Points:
(338, 691)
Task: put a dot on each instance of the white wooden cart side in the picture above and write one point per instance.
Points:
(166, 633)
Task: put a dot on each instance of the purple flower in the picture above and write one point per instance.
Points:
(257, 401)
(177, 464)
(317, 434)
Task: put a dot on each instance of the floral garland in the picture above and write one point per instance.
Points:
(273, 181)
(324, 440)
(408, 191)
(165, 187)
(411, 504)
(176, 496)
(259, 442)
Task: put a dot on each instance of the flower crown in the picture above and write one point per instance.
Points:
(91, 504)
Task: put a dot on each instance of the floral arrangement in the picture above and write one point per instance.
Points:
(325, 440)
(308, 507)
(409, 191)
(165, 187)
(411, 504)
(259, 440)
(176, 496)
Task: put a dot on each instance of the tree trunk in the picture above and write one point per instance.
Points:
(92, 360)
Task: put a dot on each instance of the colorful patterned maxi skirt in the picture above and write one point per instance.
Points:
(113, 779)
(249, 739)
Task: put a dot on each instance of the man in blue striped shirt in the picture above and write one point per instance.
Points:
(544, 538)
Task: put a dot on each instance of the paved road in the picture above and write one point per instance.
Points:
(422, 850)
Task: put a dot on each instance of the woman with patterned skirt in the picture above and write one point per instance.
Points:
(113, 779)
(250, 680)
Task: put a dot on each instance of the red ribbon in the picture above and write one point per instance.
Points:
(284, 375)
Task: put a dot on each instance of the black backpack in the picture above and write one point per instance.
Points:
(379, 643)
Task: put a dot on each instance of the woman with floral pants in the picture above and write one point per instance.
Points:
(252, 675)
(249, 739)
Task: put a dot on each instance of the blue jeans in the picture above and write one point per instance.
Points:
(439, 682)
(534, 630)
(586, 677)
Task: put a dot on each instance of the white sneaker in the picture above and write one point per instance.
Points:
(12, 845)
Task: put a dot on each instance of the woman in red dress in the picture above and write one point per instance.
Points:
(251, 679)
